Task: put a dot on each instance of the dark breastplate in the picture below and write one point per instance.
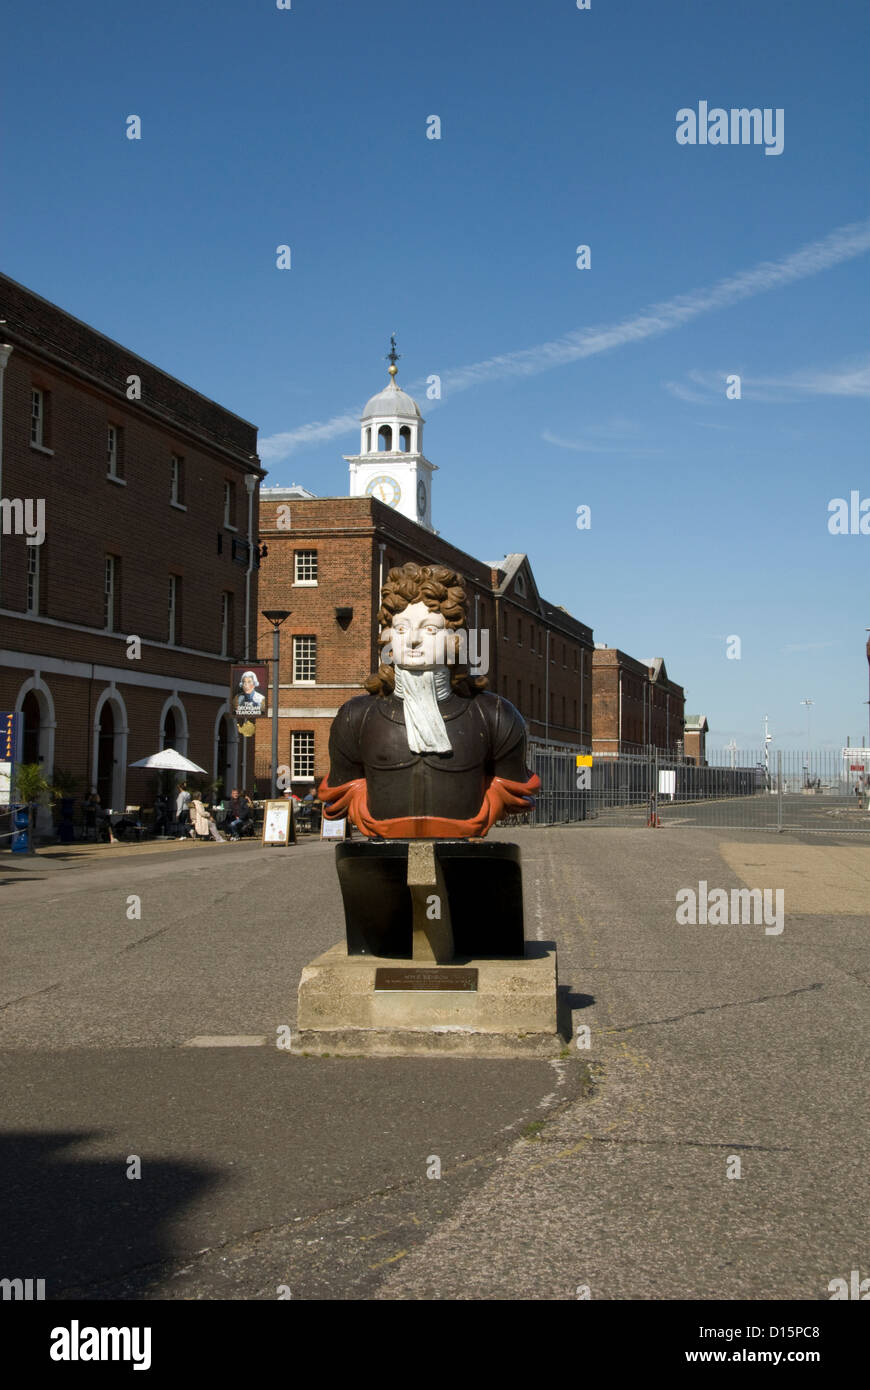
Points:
(402, 783)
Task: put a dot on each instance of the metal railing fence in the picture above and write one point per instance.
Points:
(790, 790)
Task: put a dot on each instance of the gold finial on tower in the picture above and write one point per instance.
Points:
(393, 357)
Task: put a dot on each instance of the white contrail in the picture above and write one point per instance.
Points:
(843, 244)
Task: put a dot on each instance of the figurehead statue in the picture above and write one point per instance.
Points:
(429, 752)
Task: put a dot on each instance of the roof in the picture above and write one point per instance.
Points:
(392, 402)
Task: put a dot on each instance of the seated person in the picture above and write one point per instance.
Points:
(239, 813)
(203, 821)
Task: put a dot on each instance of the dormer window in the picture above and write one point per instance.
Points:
(520, 585)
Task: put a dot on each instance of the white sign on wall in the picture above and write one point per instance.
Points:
(667, 782)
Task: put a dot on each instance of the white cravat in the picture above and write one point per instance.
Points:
(420, 692)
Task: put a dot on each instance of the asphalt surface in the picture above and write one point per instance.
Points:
(826, 813)
(264, 1170)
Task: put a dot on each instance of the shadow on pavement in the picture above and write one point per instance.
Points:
(82, 1224)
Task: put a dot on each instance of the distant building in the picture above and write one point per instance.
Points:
(697, 730)
(327, 559)
(150, 503)
(635, 705)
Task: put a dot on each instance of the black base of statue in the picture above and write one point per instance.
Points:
(484, 887)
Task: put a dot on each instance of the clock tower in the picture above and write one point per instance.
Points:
(391, 465)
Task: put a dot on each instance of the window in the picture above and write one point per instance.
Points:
(507, 623)
(531, 637)
(301, 756)
(575, 714)
(564, 655)
(226, 623)
(305, 571)
(176, 480)
(304, 660)
(229, 505)
(520, 585)
(404, 439)
(174, 610)
(114, 456)
(519, 632)
(576, 660)
(519, 694)
(385, 439)
(33, 578)
(563, 711)
(37, 417)
(111, 587)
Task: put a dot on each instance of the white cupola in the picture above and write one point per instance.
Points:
(391, 465)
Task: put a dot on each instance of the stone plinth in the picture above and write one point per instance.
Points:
(510, 1010)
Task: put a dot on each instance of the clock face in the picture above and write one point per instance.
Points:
(385, 488)
(421, 498)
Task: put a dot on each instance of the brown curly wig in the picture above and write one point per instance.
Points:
(441, 589)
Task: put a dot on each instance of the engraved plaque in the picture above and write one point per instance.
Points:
(426, 977)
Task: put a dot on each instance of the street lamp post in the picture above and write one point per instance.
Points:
(275, 616)
(867, 629)
(768, 738)
(809, 704)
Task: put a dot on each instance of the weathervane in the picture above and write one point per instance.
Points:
(393, 356)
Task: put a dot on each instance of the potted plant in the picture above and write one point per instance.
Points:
(30, 786)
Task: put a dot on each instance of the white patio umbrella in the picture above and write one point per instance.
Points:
(168, 761)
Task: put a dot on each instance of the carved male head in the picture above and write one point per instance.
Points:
(420, 606)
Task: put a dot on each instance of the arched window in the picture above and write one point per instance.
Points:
(31, 719)
(105, 753)
(385, 439)
(170, 732)
(368, 439)
(405, 439)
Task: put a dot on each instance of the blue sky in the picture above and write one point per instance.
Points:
(262, 127)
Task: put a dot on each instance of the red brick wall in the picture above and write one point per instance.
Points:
(652, 711)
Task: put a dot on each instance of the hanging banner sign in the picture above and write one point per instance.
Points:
(248, 686)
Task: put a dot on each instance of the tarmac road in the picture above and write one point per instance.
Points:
(264, 1170)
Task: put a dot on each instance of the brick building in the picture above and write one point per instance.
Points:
(150, 496)
(327, 559)
(635, 705)
(697, 730)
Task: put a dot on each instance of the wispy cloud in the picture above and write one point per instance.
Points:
(843, 244)
(850, 378)
(594, 446)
